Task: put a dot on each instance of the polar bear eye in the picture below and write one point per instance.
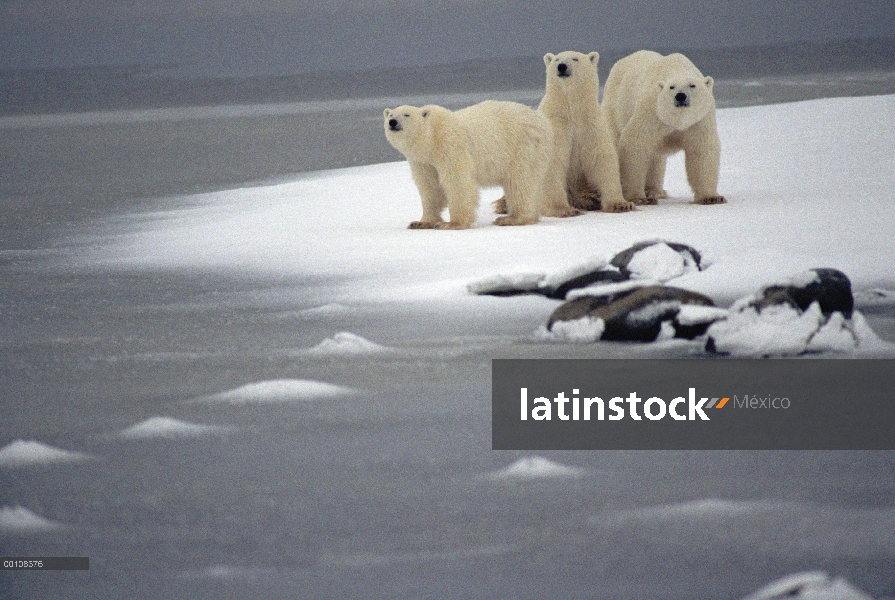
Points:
(575, 59)
(406, 115)
(670, 87)
(692, 85)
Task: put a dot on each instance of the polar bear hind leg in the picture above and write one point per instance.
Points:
(521, 201)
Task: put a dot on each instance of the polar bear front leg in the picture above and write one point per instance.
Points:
(702, 167)
(636, 149)
(634, 160)
(655, 179)
(425, 177)
(462, 193)
(554, 201)
(608, 180)
(702, 160)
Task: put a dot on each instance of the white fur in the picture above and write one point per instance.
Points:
(453, 154)
(649, 125)
(584, 156)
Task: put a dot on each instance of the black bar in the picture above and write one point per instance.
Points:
(44, 563)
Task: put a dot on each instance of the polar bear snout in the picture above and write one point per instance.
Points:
(394, 125)
(681, 100)
(562, 70)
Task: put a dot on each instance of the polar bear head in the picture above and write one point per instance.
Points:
(408, 128)
(569, 71)
(684, 98)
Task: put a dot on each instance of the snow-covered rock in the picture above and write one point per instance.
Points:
(632, 315)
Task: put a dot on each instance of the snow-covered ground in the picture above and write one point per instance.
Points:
(808, 184)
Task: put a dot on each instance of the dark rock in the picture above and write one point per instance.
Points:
(615, 272)
(586, 305)
(782, 319)
(603, 275)
(635, 315)
(830, 288)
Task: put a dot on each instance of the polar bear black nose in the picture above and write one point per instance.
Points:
(392, 123)
(680, 99)
(562, 68)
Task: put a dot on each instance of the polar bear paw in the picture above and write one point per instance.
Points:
(657, 194)
(451, 225)
(422, 225)
(508, 220)
(500, 206)
(619, 206)
(585, 198)
(563, 212)
(710, 200)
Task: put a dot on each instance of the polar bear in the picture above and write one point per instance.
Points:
(584, 152)
(454, 153)
(584, 169)
(657, 105)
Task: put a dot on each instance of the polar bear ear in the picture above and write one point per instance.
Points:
(709, 82)
(548, 58)
(386, 112)
(425, 113)
(594, 57)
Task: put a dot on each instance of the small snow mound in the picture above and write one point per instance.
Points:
(704, 507)
(536, 467)
(280, 390)
(810, 585)
(660, 262)
(506, 284)
(326, 310)
(347, 343)
(163, 427)
(18, 519)
(22, 453)
(707, 508)
(226, 572)
(578, 331)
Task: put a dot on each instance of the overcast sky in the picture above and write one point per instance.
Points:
(288, 35)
